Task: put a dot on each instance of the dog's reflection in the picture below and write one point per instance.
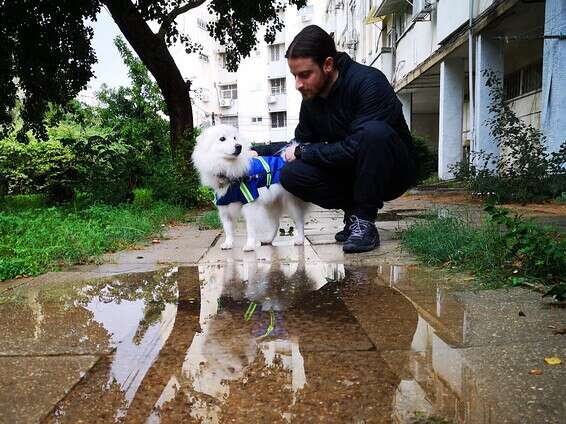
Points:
(243, 326)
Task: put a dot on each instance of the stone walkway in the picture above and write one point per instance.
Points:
(182, 331)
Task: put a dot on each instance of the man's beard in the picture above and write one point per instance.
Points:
(312, 93)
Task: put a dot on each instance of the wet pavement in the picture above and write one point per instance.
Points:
(284, 334)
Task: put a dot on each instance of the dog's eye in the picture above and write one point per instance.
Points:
(234, 138)
(222, 138)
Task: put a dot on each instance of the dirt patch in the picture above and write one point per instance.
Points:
(551, 208)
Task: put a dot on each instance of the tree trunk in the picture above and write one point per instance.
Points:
(154, 53)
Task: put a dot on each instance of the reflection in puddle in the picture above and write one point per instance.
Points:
(241, 340)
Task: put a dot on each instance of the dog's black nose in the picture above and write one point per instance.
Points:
(237, 149)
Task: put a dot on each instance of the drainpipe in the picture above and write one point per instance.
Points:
(471, 77)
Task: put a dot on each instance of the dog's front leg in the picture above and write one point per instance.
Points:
(251, 214)
(227, 218)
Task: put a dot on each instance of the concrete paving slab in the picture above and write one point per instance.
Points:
(501, 374)
(30, 386)
(282, 250)
(388, 253)
(328, 237)
(507, 316)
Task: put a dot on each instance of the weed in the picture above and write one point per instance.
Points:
(143, 197)
(525, 170)
(501, 251)
(37, 240)
(209, 221)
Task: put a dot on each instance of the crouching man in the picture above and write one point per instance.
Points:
(355, 148)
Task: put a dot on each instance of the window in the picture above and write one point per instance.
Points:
(523, 81)
(403, 18)
(229, 91)
(229, 120)
(222, 60)
(203, 57)
(257, 119)
(201, 23)
(278, 119)
(277, 86)
(275, 52)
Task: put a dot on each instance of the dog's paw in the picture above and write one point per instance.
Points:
(249, 247)
(226, 246)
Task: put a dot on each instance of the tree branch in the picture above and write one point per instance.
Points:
(173, 15)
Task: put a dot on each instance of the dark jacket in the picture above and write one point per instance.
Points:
(360, 94)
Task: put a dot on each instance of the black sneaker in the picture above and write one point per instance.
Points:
(342, 236)
(363, 236)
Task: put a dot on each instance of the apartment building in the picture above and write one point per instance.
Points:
(434, 53)
(260, 98)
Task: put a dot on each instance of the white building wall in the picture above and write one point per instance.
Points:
(252, 108)
(193, 67)
(451, 14)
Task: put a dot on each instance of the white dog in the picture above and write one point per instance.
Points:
(225, 164)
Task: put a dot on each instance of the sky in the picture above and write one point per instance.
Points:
(110, 69)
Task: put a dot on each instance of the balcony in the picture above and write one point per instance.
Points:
(384, 62)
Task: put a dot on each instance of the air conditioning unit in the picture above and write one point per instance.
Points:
(306, 18)
(225, 102)
(271, 99)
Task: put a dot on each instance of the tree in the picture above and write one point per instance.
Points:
(46, 52)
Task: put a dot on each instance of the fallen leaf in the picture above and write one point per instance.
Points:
(561, 331)
(535, 371)
(553, 360)
(522, 314)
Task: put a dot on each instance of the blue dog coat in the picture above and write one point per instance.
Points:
(264, 171)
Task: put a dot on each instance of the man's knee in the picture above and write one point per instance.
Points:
(378, 130)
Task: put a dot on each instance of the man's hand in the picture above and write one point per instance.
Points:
(252, 153)
(289, 154)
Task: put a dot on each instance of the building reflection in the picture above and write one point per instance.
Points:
(242, 339)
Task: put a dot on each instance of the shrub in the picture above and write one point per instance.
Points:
(525, 170)
(426, 159)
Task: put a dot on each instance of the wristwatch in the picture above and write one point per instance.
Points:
(299, 150)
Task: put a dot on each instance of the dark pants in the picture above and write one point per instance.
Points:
(383, 169)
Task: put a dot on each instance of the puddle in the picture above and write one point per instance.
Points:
(250, 342)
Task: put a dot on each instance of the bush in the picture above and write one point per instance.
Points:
(103, 153)
(525, 171)
(426, 159)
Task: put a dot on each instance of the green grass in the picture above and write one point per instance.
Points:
(36, 240)
(209, 220)
(21, 201)
(498, 255)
